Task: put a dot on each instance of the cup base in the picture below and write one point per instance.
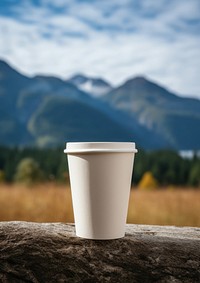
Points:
(101, 238)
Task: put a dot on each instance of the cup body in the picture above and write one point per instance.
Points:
(100, 178)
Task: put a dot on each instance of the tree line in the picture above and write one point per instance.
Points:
(166, 166)
(49, 164)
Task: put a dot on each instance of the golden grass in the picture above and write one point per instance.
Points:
(52, 203)
(179, 207)
(44, 203)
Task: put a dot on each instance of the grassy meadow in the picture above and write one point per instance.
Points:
(52, 203)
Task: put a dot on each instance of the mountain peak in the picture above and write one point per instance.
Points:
(78, 79)
(4, 66)
(143, 85)
(8, 73)
(140, 81)
(93, 86)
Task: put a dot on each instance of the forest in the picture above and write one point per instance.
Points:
(167, 167)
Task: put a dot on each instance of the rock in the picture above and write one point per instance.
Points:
(50, 252)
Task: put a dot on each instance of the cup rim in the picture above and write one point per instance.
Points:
(86, 147)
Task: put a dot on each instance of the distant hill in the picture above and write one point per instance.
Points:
(47, 111)
(174, 118)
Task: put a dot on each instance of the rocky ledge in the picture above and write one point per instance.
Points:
(50, 252)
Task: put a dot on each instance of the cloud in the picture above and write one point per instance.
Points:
(113, 39)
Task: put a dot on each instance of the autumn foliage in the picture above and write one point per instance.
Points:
(148, 182)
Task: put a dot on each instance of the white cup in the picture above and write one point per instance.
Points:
(100, 178)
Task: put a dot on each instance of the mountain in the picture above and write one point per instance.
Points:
(93, 86)
(13, 131)
(47, 111)
(175, 119)
(61, 119)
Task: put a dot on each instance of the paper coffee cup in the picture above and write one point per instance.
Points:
(100, 178)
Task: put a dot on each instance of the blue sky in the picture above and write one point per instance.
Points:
(113, 39)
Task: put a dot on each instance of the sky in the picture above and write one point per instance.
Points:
(112, 39)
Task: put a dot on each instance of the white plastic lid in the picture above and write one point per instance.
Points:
(81, 147)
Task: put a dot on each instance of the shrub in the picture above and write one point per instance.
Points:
(28, 171)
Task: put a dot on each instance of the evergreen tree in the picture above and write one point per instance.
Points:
(194, 177)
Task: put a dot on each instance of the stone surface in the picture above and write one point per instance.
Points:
(50, 252)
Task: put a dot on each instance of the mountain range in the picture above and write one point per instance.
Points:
(47, 111)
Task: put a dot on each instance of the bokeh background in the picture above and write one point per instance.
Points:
(100, 71)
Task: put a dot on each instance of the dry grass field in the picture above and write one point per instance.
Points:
(52, 203)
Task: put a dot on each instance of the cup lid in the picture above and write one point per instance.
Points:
(81, 147)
